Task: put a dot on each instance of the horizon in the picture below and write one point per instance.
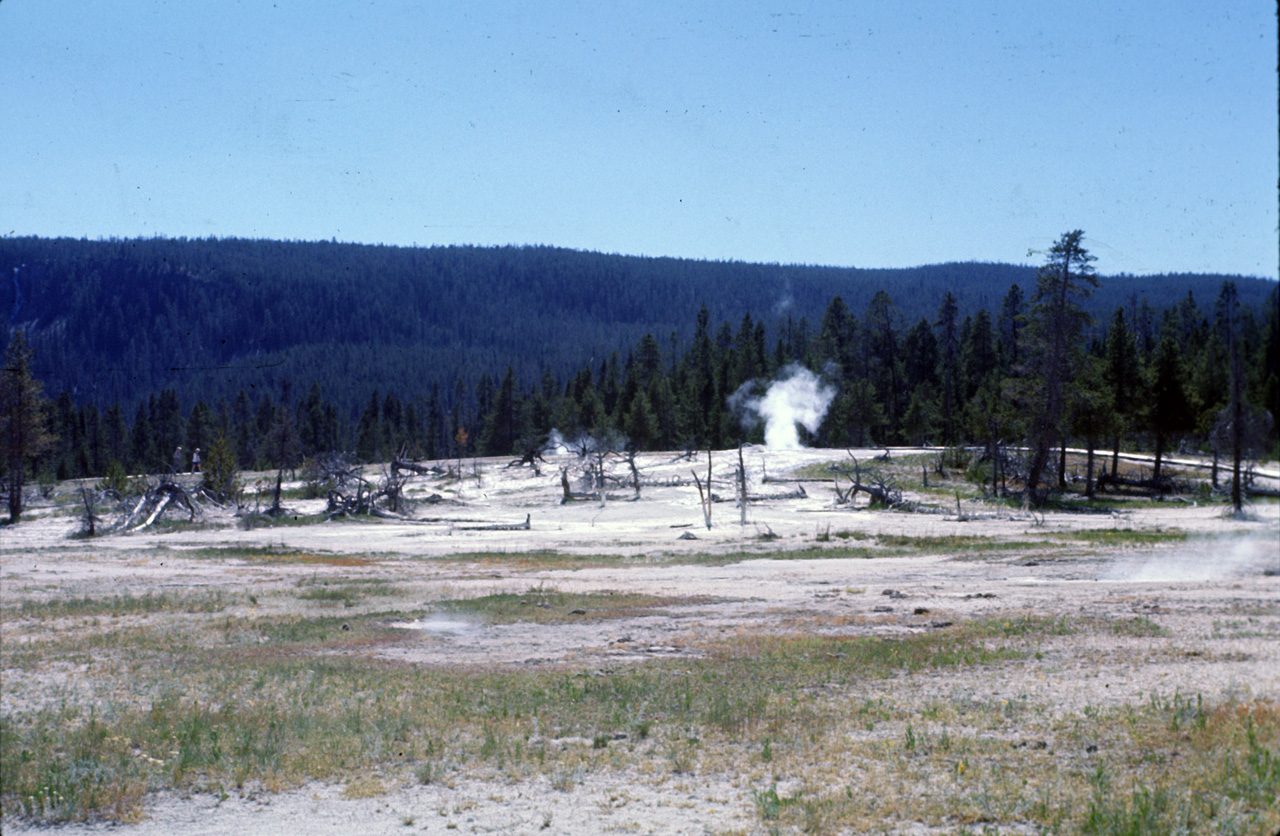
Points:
(463, 245)
(815, 134)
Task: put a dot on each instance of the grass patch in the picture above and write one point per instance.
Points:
(346, 593)
(1122, 536)
(961, 543)
(843, 718)
(1138, 627)
(272, 554)
(540, 605)
(116, 605)
(536, 559)
(226, 717)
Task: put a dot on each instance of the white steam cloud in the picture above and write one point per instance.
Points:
(797, 398)
(1224, 558)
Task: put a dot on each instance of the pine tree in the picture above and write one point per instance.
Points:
(1056, 323)
(948, 364)
(23, 430)
(1123, 377)
(1168, 412)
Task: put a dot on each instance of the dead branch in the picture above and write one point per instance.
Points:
(154, 502)
(798, 493)
(362, 498)
(883, 490)
(398, 464)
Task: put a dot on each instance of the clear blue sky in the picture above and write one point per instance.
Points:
(860, 133)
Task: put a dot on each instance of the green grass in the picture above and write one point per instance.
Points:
(346, 593)
(115, 605)
(268, 703)
(1122, 536)
(280, 714)
(541, 605)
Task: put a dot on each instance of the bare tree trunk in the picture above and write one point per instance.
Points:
(1237, 405)
(1088, 478)
(635, 471)
(742, 488)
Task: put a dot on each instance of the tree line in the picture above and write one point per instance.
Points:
(1026, 372)
(123, 320)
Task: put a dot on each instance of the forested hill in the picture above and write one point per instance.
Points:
(117, 321)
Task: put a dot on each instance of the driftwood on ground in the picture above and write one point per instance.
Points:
(883, 490)
(524, 526)
(153, 503)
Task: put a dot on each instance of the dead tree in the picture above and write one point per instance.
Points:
(398, 464)
(705, 497)
(742, 488)
(155, 501)
(90, 518)
(354, 495)
(883, 490)
(635, 471)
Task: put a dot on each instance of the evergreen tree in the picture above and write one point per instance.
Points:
(1010, 325)
(220, 474)
(884, 361)
(640, 424)
(1168, 412)
(368, 431)
(978, 358)
(1123, 378)
(141, 445)
(949, 362)
(1091, 410)
(1056, 323)
(169, 428)
(199, 428)
(502, 425)
(115, 436)
(312, 424)
(23, 428)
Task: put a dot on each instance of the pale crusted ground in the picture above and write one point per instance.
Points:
(1217, 598)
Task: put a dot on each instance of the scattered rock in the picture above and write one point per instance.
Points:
(688, 535)
(938, 625)
(921, 611)
(578, 612)
(979, 595)
(893, 593)
(345, 626)
(882, 609)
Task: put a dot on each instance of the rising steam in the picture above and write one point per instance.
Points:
(797, 397)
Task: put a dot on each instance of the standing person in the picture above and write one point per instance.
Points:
(177, 461)
(195, 461)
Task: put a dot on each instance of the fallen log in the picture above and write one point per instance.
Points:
(398, 464)
(524, 526)
(798, 493)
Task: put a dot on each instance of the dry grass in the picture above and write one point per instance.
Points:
(234, 713)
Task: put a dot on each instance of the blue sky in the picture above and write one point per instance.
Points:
(858, 133)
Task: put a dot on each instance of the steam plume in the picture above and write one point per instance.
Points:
(798, 396)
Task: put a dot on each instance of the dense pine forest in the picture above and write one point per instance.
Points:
(284, 350)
